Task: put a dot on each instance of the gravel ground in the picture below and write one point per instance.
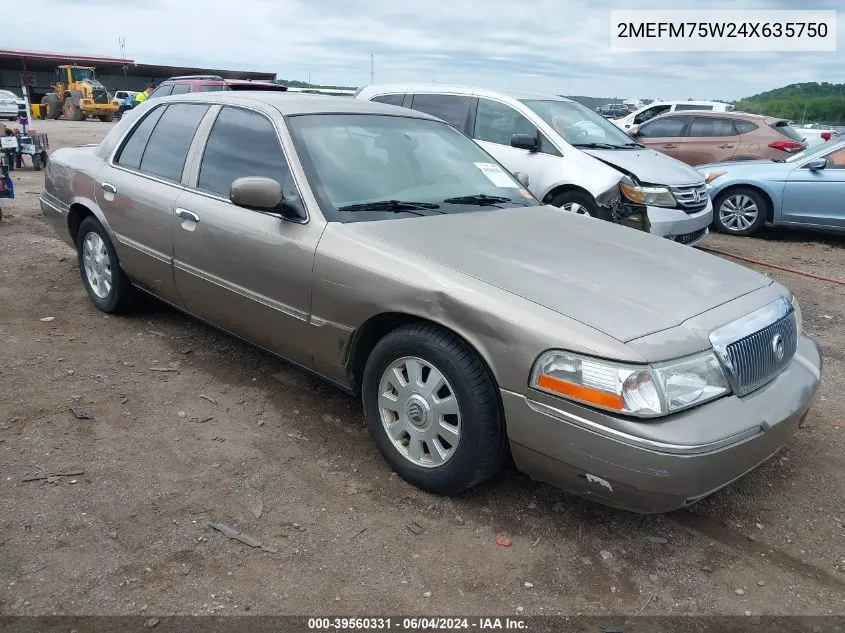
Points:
(235, 435)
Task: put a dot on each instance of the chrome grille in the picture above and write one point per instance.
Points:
(757, 347)
(691, 198)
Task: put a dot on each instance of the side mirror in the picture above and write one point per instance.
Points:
(525, 141)
(634, 131)
(521, 177)
(817, 165)
(256, 193)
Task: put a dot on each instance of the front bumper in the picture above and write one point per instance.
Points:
(566, 445)
(7, 111)
(673, 223)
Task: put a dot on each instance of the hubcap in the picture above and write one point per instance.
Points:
(97, 264)
(738, 212)
(574, 207)
(419, 412)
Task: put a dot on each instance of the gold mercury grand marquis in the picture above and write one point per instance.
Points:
(388, 253)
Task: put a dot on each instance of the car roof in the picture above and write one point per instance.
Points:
(290, 104)
(378, 89)
(746, 116)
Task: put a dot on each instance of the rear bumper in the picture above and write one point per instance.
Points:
(56, 217)
(672, 223)
(556, 445)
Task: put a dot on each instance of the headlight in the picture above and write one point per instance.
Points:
(655, 196)
(639, 390)
(799, 318)
(710, 176)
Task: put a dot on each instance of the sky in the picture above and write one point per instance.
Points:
(546, 46)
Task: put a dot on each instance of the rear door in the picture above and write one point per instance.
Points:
(709, 140)
(664, 134)
(817, 198)
(138, 190)
(247, 271)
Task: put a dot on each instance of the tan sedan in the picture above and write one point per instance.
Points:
(385, 251)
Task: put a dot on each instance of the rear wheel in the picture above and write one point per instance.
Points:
(52, 105)
(740, 211)
(432, 409)
(37, 162)
(106, 118)
(105, 282)
(72, 111)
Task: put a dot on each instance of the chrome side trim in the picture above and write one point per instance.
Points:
(146, 250)
(55, 207)
(240, 290)
(633, 440)
(320, 322)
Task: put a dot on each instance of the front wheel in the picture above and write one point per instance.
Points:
(106, 118)
(740, 211)
(576, 202)
(105, 282)
(432, 409)
(37, 162)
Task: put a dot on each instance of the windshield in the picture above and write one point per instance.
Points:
(374, 167)
(579, 126)
(79, 74)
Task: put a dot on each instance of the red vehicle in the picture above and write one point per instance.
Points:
(210, 83)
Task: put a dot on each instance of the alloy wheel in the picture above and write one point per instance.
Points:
(738, 212)
(97, 263)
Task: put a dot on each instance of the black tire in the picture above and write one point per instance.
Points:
(106, 118)
(482, 445)
(72, 111)
(577, 199)
(122, 297)
(52, 105)
(730, 195)
(37, 163)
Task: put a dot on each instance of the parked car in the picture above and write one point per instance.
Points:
(209, 83)
(119, 96)
(9, 105)
(708, 137)
(815, 134)
(803, 190)
(388, 253)
(656, 108)
(572, 157)
(613, 110)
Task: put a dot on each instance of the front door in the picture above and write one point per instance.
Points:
(664, 134)
(138, 193)
(246, 271)
(817, 197)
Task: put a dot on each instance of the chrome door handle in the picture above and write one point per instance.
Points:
(670, 146)
(725, 146)
(187, 215)
(107, 186)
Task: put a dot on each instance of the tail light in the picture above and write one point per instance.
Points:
(787, 146)
(826, 136)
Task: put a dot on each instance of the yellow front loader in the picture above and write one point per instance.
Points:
(78, 95)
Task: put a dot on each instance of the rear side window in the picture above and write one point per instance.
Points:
(691, 106)
(133, 148)
(213, 87)
(171, 139)
(453, 109)
(652, 112)
(744, 127)
(180, 89)
(706, 126)
(390, 99)
(667, 127)
(242, 144)
(161, 91)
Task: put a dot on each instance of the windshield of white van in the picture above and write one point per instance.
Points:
(579, 126)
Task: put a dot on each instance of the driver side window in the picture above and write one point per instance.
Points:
(836, 160)
(645, 115)
(496, 123)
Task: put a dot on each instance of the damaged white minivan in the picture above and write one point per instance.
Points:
(568, 156)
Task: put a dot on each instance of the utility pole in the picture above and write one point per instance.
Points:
(372, 71)
(309, 79)
(123, 57)
(804, 116)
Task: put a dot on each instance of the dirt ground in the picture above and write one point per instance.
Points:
(238, 436)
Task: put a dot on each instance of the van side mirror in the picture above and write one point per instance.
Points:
(525, 141)
(817, 165)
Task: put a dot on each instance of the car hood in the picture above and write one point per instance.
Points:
(648, 166)
(623, 282)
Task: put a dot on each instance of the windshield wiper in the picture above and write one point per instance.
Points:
(394, 206)
(634, 144)
(597, 145)
(480, 199)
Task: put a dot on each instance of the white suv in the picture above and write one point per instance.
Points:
(657, 108)
(573, 158)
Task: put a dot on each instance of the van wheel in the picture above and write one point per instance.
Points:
(432, 409)
(104, 280)
(740, 211)
(576, 202)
